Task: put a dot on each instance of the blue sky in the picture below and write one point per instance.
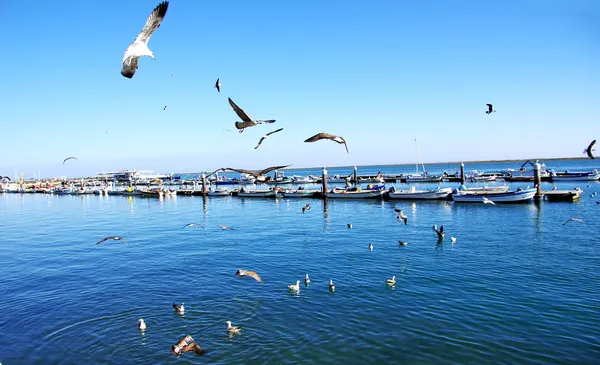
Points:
(379, 73)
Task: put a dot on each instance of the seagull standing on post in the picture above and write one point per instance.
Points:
(139, 47)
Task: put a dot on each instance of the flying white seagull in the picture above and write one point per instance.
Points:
(139, 47)
(266, 136)
(246, 120)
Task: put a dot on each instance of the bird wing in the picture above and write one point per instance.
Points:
(346, 145)
(242, 171)
(242, 125)
(130, 64)
(243, 116)
(69, 158)
(254, 275)
(259, 142)
(153, 22)
(193, 347)
(217, 85)
(123, 239)
(567, 221)
(267, 121)
(397, 210)
(275, 131)
(105, 239)
(319, 136)
(269, 169)
(589, 149)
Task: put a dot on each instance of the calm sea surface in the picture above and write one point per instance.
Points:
(517, 287)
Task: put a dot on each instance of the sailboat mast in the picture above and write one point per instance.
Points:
(416, 158)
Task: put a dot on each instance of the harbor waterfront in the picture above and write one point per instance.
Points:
(519, 286)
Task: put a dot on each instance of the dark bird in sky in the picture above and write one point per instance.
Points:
(116, 238)
(193, 225)
(186, 344)
(267, 136)
(490, 109)
(573, 220)
(139, 47)
(241, 273)
(69, 158)
(218, 85)
(590, 149)
(320, 136)
(439, 233)
(246, 120)
(259, 175)
(401, 216)
(306, 207)
(165, 108)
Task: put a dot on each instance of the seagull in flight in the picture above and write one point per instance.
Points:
(116, 238)
(439, 233)
(246, 120)
(487, 201)
(225, 228)
(306, 207)
(573, 220)
(241, 273)
(260, 175)
(186, 344)
(165, 108)
(401, 216)
(323, 135)
(5, 177)
(218, 85)
(69, 158)
(490, 109)
(590, 149)
(267, 136)
(139, 47)
(193, 225)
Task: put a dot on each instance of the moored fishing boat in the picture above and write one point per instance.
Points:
(358, 193)
(258, 193)
(218, 192)
(300, 193)
(413, 193)
(576, 176)
(515, 196)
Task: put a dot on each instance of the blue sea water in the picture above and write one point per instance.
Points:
(517, 287)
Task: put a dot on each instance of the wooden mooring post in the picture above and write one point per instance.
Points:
(355, 176)
(324, 182)
(537, 181)
(462, 173)
(204, 189)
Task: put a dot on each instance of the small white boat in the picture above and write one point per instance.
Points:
(337, 179)
(576, 176)
(425, 177)
(246, 179)
(258, 193)
(516, 196)
(218, 192)
(310, 179)
(340, 193)
(485, 189)
(300, 193)
(413, 193)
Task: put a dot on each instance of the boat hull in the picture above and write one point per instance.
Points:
(576, 176)
(257, 194)
(518, 196)
(300, 193)
(363, 194)
(436, 194)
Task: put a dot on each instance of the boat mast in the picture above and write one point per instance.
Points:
(416, 158)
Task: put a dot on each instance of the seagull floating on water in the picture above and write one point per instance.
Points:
(232, 329)
(193, 225)
(295, 287)
(246, 120)
(490, 109)
(241, 273)
(306, 280)
(332, 137)
(590, 149)
(453, 240)
(331, 286)
(371, 247)
(439, 233)
(573, 220)
(141, 324)
(218, 85)
(391, 281)
(401, 216)
(179, 308)
(402, 243)
(186, 344)
(349, 225)
(69, 158)
(267, 136)
(116, 238)
(306, 207)
(139, 47)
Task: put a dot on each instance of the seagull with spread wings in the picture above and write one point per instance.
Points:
(439, 233)
(193, 225)
(590, 149)
(241, 273)
(115, 238)
(259, 175)
(139, 47)
(573, 220)
(320, 136)
(69, 158)
(267, 136)
(246, 120)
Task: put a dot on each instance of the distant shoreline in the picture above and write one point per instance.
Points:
(543, 160)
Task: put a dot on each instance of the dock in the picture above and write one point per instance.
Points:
(562, 195)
